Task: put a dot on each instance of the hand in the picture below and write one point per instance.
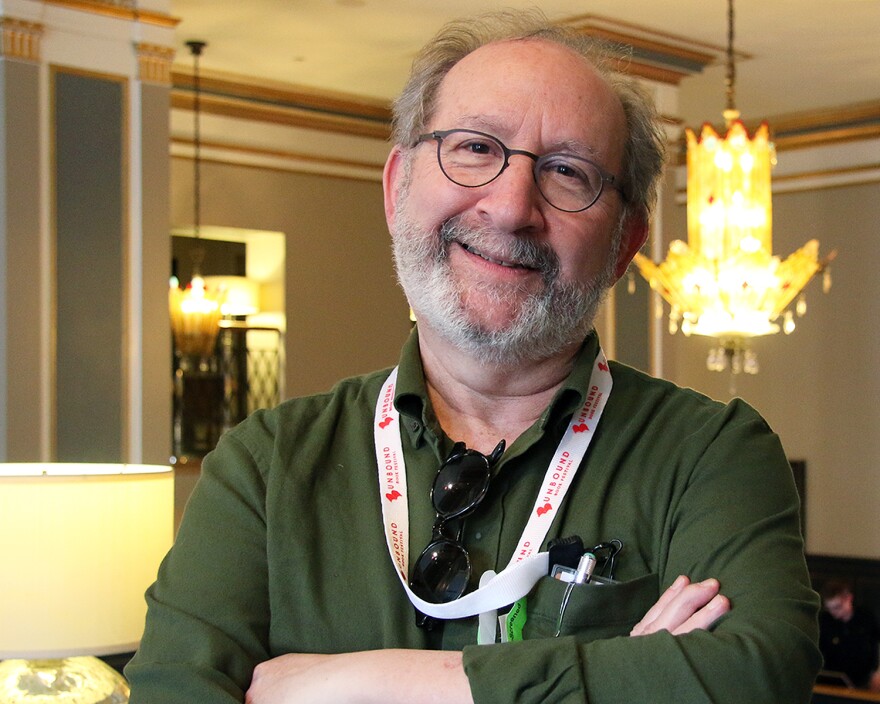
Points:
(684, 607)
(369, 677)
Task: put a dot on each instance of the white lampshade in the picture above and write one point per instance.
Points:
(241, 295)
(79, 544)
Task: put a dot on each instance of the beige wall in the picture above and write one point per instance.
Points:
(819, 388)
(345, 313)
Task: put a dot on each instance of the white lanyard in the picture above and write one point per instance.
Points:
(527, 565)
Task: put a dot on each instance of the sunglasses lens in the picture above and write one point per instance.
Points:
(460, 484)
(441, 573)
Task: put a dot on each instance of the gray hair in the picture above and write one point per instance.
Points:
(645, 148)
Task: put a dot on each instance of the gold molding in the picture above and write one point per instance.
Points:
(112, 9)
(817, 128)
(300, 106)
(647, 53)
(827, 126)
(273, 92)
(21, 40)
(827, 136)
(866, 172)
(639, 69)
(283, 155)
(677, 43)
(296, 106)
(154, 63)
(816, 180)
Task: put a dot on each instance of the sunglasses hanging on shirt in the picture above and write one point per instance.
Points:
(443, 570)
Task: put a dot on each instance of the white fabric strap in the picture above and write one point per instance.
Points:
(527, 565)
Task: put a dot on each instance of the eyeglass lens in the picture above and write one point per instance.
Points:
(442, 571)
(460, 485)
(471, 159)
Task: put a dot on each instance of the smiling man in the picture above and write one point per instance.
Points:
(505, 516)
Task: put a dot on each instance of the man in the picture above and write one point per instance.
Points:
(849, 636)
(517, 191)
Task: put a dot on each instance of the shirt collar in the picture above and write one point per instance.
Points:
(411, 397)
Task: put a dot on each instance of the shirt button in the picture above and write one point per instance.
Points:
(478, 536)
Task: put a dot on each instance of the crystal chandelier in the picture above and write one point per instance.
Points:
(725, 282)
(195, 310)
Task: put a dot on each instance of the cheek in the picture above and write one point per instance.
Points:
(433, 198)
(583, 258)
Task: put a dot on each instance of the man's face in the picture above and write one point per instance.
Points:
(497, 265)
(840, 606)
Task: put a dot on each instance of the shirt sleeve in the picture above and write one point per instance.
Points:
(737, 519)
(208, 616)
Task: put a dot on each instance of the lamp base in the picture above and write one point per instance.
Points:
(75, 680)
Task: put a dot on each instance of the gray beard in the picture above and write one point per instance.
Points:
(558, 317)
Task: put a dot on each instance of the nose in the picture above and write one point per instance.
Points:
(512, 202)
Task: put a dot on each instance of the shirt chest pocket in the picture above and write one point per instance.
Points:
(593, 610)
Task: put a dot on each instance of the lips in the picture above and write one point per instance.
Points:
(499, 262)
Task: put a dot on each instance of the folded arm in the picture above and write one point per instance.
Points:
(427, 676)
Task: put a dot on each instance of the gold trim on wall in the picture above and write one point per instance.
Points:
(281, 154)
(865, 173)
(812, 129)
(21, 40)
(286, 104)
(114, 9)
(829, 126)
(231, 85)
(815, 180)
(647, 53)
(154, 63)
(290, 115)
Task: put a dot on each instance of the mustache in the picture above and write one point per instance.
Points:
(521, 249)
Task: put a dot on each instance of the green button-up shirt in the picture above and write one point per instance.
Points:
(282, 549)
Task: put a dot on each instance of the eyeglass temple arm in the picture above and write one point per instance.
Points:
(497, 452)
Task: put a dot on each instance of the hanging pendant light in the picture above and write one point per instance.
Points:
(195, 310)
(725, 282)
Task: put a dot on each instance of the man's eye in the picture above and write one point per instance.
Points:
(565, 170)
(478, 147)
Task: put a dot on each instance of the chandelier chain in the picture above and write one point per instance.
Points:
(196, 49)
(731, 66)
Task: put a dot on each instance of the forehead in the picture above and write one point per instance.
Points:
(536, 90)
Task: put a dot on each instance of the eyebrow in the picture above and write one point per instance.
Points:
(495, 128)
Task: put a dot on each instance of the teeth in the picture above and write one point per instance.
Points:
(490, 259)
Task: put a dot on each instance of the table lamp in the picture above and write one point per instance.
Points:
(79, 545)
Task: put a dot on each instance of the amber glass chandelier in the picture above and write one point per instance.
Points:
(725, 282)
(196, 309)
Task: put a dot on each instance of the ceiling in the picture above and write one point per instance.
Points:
(803, 55)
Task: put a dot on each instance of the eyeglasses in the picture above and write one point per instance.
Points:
(567, 182)
(442, 572)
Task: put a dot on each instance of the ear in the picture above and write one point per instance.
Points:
(634, 235)
(392, 176)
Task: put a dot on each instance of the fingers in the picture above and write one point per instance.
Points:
(704, 617)
(654, 612)
(684, 607)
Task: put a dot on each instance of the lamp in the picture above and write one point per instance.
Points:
(725, 282)
(241, 295)
(195, 311)
(80, 543)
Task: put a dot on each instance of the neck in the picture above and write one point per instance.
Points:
(478, 403)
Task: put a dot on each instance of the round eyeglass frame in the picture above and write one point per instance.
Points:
(604, 176)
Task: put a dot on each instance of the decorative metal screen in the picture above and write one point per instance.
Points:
(213, 394)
